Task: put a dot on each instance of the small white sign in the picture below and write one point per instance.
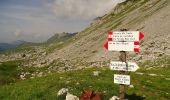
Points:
(118, 65)
(123, 46)
(125, 36)
(122, 79)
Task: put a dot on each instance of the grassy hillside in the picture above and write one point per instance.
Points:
(151, 81)
(153, 84)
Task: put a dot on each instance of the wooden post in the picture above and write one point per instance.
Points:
(122, 58)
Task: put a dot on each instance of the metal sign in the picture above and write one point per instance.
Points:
(122, 46)
(122, 79)
(118, 65)
(125, 36)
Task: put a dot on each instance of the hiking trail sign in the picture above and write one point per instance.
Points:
(125, 36)
(122, 79)
(122, 46)
(118, 65)
(124, 41)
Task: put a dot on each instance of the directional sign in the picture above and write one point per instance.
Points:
(122, 79)
(118, 65)
(122, 46)
(125, 36)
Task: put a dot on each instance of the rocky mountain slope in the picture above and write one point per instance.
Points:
(152, 17)
(34, 71)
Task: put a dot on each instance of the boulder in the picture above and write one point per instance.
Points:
(131, 86)
(96, 73)
(71, 97)
(62, 91)
(114, 98)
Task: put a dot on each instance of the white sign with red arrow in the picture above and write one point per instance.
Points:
(125, 36)
(122, 79)
(118, 65)
(122, 46)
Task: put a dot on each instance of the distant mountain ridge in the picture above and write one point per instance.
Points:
(5, 46)
(60, 37)
(12, 45)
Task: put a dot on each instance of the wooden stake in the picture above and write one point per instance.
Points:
(122, 86)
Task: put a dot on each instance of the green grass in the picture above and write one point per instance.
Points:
(8, 72)
(45, 88)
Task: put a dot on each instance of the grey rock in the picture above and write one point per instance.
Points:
(71, 97)
(40, 74)
(139, 73)
(131, 86)
(114, 98)
(62, 91)
(96, 73)
(153, 75)
(22, 77)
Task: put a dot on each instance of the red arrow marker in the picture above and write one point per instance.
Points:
(141, 35)
(106, 45)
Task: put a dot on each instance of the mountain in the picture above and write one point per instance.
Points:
(148, 16)
(60, 37)
(12, 45)
(151, 17)
(6, 46)
(79, 57)
(18, 42)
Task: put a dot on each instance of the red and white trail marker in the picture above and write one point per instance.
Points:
(122, 46)
(125, 36)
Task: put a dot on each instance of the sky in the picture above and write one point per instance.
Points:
(37, 20)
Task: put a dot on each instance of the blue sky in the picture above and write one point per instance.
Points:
(37, 20)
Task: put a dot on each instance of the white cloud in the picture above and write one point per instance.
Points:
(17, 32)
(82, 9)
(28, 36)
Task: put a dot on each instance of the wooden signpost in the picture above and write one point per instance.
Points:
(123, 41)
